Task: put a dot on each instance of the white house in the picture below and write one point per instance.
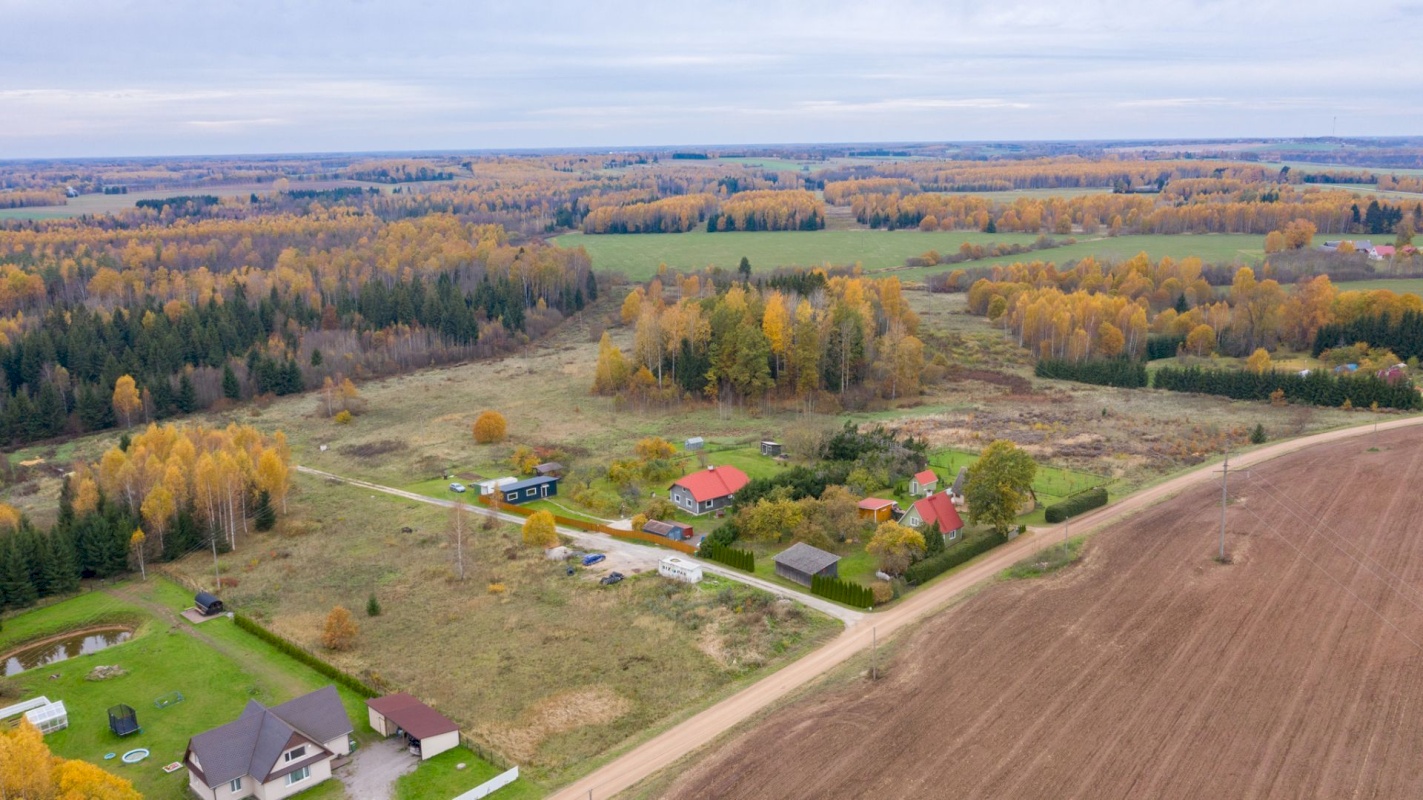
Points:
(270, 753)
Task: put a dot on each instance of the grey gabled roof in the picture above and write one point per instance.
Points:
(957, 488)
(251, 744)
(804, 558)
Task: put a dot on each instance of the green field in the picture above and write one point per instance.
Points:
(638, 255)
(216, 677)
(1398, 285)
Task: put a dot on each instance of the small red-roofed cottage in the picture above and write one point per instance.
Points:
(708, 489)
(938, 509)
(924, 483)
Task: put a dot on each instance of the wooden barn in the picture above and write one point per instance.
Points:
(876, 509)
(800, 562)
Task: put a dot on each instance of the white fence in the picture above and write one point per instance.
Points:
(488, 787)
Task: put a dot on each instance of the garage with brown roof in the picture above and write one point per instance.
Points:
(427, 731)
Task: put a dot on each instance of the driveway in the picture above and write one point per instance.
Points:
(373, 769)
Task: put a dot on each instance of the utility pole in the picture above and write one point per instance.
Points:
(1066, 525)
(874, 653)
(217, 576)
(1224, 475)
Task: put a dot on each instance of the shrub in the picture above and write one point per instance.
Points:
(1076, 504)
(938, 565)
(341, 630)
(883, 592)
(342, 418)
(1257, 435)
(638, 521)
(490, 427)
(841, 591)
(539, 530)
(730, 556)
(372, 606)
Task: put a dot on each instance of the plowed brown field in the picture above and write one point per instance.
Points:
(1150, 670)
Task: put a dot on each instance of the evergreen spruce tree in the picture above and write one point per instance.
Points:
(266, 516)
(231, 389)
(187, 399)
(15, 577)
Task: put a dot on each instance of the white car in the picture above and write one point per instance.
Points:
(457, 487)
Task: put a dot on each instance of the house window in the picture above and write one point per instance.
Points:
(235, 785)
(529, 492)
(512, 496)
(707, 504)
(295, 753)
(299, 776)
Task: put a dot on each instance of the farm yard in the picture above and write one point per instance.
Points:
(216, 668)
(548, 670)
(1148, 668)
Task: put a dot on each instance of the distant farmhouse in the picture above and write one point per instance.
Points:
(708, 489)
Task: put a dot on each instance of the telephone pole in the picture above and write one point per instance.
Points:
(1224, 482)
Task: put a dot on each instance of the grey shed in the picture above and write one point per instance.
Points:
(800, 562)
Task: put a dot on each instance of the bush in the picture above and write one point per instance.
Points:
(732, 557)
(1257, 434)
(841, 591)
(306, 657)
(938, 565)
(372, 606)
(1076, 504)
(340, 632)
(540, 531)
(343, 418)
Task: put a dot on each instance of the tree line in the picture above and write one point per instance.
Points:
(1318, 387)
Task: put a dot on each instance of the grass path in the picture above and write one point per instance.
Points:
(259, 667)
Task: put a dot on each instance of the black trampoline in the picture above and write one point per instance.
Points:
(123, 720)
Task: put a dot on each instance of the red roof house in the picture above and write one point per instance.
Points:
(936, 508)
(923, 483)
(708, 489)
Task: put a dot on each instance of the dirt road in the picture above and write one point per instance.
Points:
(623, 555)
(664, 749)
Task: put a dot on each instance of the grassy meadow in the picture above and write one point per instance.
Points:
(638, 256)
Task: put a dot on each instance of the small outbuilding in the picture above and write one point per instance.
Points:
(800, 562)
(207, 604)
(549, 468)
(489, 487)
(876, 509)
(925, 483)
(770, 448)
(678, 531)
(680, 569)
(694, 443)
(427, 731)
(956, 491)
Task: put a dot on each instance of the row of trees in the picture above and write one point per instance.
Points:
(761, 210)
(1401, 333)
(1319, 387)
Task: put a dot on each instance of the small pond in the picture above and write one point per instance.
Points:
(58, 648)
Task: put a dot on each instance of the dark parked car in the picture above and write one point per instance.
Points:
(611, 578)
(592, 558)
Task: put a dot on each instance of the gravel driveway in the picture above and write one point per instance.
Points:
(373, 769)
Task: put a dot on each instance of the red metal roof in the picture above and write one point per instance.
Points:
(874, 503)
(416, 718)
(927, 476)
(940, 509)
(713, 482)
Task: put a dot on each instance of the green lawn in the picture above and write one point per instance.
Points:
(439, 779)
(1051, 482)
(159, 659)
(1398, 285)
(638, 255)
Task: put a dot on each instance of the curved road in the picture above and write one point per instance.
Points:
(667, 747)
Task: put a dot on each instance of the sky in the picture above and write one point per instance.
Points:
(151, 77)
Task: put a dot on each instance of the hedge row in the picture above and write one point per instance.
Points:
(1076, 504)
(1163, 346)
(1319, 388)
(851, 594)
(306, 657)
(934, 566)
(1100, 371)
(730, 556)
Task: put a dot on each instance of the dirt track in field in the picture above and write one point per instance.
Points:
(1150, 670)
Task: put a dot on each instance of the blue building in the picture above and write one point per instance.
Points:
(526, 491)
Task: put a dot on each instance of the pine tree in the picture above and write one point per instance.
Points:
(187, 399)
(231, 389)
(265, 516)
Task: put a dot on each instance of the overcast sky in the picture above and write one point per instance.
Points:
(145, 77)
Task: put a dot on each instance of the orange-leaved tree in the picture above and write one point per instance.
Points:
(340, 632)
(490, 427)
